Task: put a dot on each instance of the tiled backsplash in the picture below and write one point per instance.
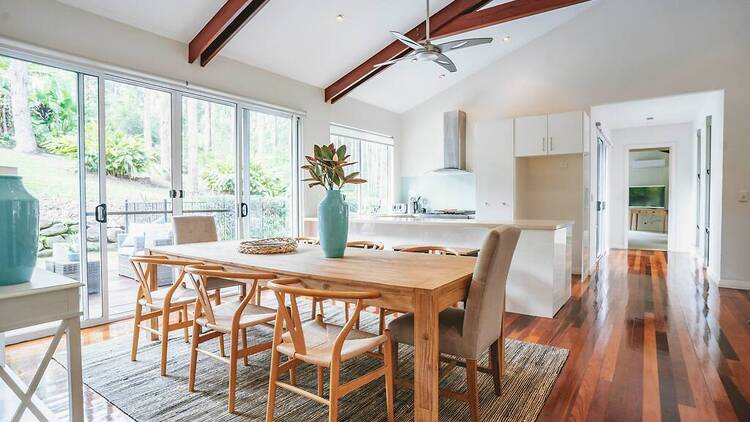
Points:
(442, 190)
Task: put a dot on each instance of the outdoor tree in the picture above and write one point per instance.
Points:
(19, 80)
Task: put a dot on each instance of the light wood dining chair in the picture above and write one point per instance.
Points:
(160, 304)
(467, 333)
(232, 318)
(324, 345)
(431, 249)
(366, 244)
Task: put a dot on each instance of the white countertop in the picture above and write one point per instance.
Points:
(423, 221)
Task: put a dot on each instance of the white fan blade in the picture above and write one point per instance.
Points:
(406, 40)
(470, 42)
(400, 59)
(444, 61)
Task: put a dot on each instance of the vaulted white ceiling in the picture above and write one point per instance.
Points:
(303, 40)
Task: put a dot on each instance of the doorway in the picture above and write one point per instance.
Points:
(648, 198)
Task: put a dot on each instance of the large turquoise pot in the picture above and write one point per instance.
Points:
(19, 231)
(333, 224)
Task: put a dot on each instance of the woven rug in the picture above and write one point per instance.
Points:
(137, 389)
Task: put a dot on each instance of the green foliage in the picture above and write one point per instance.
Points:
(53, 111)
(125, 154)
(326, 168)
(219, 177)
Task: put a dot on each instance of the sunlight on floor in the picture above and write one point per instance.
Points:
(647, 240)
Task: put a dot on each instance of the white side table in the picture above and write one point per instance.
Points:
(48, 297)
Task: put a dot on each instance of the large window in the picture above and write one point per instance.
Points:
(373, 154)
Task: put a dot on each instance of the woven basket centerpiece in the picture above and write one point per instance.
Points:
(272, 245)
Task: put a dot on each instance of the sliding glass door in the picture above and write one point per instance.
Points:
(269, 174)
(209, 164)
(112, 159)
(48, 132)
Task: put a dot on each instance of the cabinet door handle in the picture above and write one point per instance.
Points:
(544, 145)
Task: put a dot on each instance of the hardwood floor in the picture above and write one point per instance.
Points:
(649, 338)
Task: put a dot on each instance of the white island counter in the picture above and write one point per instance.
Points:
(540, 273)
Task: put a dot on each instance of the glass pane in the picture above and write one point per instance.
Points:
(376, 169)
(268, 178)
(208, 163)
(91, 160)
(351, 192)
(39, 136)
(138, 167)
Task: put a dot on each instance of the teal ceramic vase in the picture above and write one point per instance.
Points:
(333, 224)
(19, 231)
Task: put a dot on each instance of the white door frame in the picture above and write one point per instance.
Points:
(625, 189)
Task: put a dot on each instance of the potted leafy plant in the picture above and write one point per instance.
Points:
(326, 168)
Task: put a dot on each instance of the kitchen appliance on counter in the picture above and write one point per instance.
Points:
(399, 208)
(416, 205)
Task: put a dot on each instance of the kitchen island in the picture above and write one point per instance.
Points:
(540, 273)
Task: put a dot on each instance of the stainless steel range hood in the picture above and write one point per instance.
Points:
(454, 142)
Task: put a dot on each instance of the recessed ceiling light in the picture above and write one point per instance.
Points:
(506, 38)
(650, 118)
(339, 17)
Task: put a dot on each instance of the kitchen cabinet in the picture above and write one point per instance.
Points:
(530, 136)
(550, 134)
(492, 162)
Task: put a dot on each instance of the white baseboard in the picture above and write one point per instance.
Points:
(735, 284)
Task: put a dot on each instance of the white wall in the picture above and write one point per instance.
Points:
(681, 141)
(59, 27)
(618, 51)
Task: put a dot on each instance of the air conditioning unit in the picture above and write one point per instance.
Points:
(647, 164)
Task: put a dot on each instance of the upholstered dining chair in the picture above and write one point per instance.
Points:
(200, 229)
(160, 304)
(467, 333)
(324, 345)
(231, 317)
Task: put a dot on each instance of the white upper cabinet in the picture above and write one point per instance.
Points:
(565, 133)
(530, 136)
(553, 134)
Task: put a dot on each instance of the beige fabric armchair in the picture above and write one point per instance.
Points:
(467, 333)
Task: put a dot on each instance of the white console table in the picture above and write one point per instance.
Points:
(48, 297)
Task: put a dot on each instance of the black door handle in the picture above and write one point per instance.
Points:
(243, 209)
(100, 213)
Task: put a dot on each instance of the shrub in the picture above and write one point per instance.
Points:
(126, 156)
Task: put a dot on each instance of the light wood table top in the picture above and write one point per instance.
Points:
(459, 250)
(373, 267)
(420, 283)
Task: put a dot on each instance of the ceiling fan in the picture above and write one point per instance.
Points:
(426, 51)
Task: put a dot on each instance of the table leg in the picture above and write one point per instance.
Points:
(426, 357)
(75, 376)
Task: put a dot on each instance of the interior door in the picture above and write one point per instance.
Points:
(707, 196)
(601, 195)
(530, 135)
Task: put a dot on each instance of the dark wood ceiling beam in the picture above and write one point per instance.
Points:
(501, 13)
(397, 49)
(224, 25)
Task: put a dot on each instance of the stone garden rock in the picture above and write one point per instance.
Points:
(43, 224)
(54, 230)
(45, 253)
(48, 241)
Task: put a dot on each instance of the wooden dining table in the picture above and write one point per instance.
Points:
(424, 284)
